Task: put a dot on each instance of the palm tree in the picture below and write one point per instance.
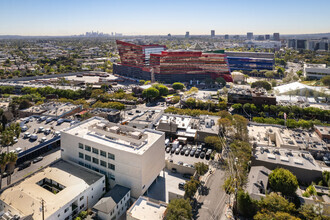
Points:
(3, 164)
(12, 158)
(7, 138)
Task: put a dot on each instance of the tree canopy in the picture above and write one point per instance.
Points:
(282, 180)
(177, 86)
(150, 93)
(179, 209)
(261, 84)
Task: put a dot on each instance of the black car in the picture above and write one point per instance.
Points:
(5, 174)
(24, 165)
(183, 151)
(192, 153)
(197, 153)
(181, 186)
(187, 175)
(173, 150)
(202, 155)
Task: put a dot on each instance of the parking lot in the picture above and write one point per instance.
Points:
(185, 159)
(33, 125)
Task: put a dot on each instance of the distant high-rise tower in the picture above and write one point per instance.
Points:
(249, 35)
(212, 33)
(226, 37)
(267, 37)
(276, 36)
(169, 35)
(187, 34)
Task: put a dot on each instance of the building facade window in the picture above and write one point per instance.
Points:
(103, 153)
(111, 166)
(103, 163)
(81, 198)
(88, 158)
(95, 151)
(95, 160)
(111, 156)
(81, 146)
(87, 148)
(112, 177)
(81, 155)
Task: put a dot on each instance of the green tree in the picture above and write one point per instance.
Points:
(163, 90)
(150, 93)
(3, 164)
(299, 73)
(225, 125)
(326, 80)
(282, 180)
(191, 103)
(190, 188)
(247, 207)
(273, 202)
(12, 158)
(261, 84)
(201, 168)
(177, 86)
(221, 81)
(179, 209)
(237, 106)
(142, 82)
(214, 141)
(274, 215)
(269, 74)
(24, 104)
(240, 127)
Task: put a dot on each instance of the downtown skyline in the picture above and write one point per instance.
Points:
(61, 18)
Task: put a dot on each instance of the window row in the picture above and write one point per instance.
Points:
(97, 161)
(96, 151)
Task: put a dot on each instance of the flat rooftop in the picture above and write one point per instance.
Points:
(299, 159)
(33, 126)
(60, 109)
(26, 195)
(147, 209)
(116, 136)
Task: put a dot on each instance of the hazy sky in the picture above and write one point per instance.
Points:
(68, 17)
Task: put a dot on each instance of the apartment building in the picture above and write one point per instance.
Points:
(127, 156)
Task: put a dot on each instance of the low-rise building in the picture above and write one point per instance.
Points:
(258, 182)
(127, 156)
(257, 96)
(147, 209)
(323, 132)
(113, 204)
(316, 71)
(300, 163)
(59, 191)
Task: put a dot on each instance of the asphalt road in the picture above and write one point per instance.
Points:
(48, 158)
(214, 202)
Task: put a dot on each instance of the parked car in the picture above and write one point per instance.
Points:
(192, 152)
(18, 150)
(60, 121)
(180, 163)
(33, 137)
(187, 152)
(197, 153)
(173, 150)
(181, 186)
(177, 150)
(202, 155)
(47, 131)
(24, 165)
(204, 149)
(38, 159)
(168, 149)
(187, 175)
(183, 151)
(49, 119)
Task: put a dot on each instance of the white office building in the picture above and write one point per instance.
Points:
(59, 191)
(127, 156)
(316, 71)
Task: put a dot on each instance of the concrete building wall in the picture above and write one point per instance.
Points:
(134, 171)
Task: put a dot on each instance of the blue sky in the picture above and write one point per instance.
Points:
(68, 17)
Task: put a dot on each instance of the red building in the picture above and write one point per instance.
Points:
(138, 61)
